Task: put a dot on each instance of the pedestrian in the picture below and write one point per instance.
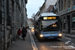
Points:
(24, 31)
(19, 33)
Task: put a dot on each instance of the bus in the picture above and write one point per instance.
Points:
(48, 26)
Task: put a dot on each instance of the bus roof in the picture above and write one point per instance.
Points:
(47, 14)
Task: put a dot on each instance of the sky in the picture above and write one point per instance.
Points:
(33, 7)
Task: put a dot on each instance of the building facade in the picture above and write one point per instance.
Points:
(43, 8)
(12, 17)
(66, 10)
(46, 7)
(50, 2)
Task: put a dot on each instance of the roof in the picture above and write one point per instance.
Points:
(48, 14)
(45, 15)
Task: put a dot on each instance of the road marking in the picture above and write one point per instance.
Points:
(72, 46)
(67, 42)
(32, 42)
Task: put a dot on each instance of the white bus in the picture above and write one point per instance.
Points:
(48, 26)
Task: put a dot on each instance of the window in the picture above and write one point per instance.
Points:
(0, 2)
(69, 1)
(0, 12)
(8, 21)
(61, 4)
(73, 21)
(64, 23)
(73, 25)
(64, 26)
(0, 16)
(8, 17)
(25, 1)
(65, 4)
(73, 2)
(22, 0)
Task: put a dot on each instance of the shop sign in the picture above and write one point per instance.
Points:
(73, 19)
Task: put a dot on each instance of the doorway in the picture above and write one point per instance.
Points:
(68, 23)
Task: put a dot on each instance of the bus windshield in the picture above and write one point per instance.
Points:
(50, 25)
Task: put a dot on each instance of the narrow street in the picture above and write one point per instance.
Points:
(50, 24)
(32, 43)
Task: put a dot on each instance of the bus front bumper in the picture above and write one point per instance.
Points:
(51, 37)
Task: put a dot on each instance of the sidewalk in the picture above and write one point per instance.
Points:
(22, 44)
(69, 35)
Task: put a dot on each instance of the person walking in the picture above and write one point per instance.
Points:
(24, 31)
(19, 33)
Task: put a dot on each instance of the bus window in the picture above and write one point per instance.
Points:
(50, 25)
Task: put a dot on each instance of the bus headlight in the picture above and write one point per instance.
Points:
(60, 34)
(54, 25)
(41, 35)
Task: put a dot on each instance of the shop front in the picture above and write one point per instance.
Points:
(73, 24)
(68, 23)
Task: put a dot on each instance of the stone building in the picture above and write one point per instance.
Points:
(66, 10)
(30, 22)
(12, 17)
(43, 8)
(46, 7)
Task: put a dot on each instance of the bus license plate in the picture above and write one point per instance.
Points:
(50, 37)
